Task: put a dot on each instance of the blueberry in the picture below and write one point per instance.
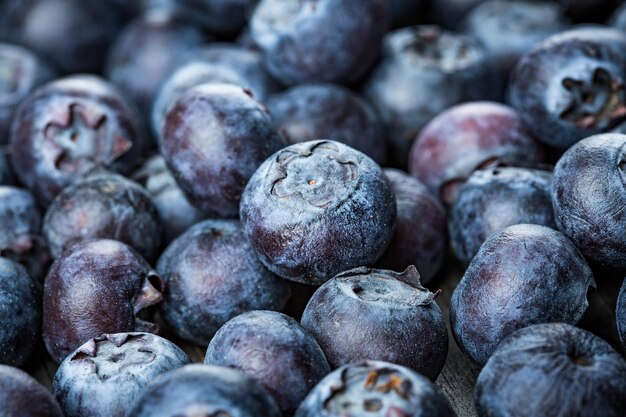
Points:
(379, 315)
(319, 40)
(493, 199)
(620, 315)
(214, 137)
(23, 396)
(222, 17)
(96, 287)
(589, 199)
(420, 237)
(273, 349)
(69, 127)
(204, 390)
(312, 111)
(423, 71)
(572, 85)
(20, 313)
(522, 275)
(375, 389)
(468, 137)
(104, 206)
(317, 208)
(552, 369)
(105, 375)
(213, 275)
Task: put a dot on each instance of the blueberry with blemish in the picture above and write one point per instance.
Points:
(23, 396)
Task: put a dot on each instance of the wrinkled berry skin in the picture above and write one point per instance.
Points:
(205, 390)
(620, 315)
(376, 389)
(20, 72)
(96, 287)
(23, 396)
(381, 315)
(69, 127)
(493, 199)
(572, 85)
(319, 40)
(318, 208)
(420, 237)
(105, 375)
(74, 35)
(213, 275)
(468, 137)
(273, 349)
(562, 370)
(104, 206)
(314, 111)
(20, 313)
(522, 275)
(221, 17)
(588, 198)
(423, 71)
(214, 138)
(6, 176)
(175, 211)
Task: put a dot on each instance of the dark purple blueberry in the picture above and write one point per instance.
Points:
(204, 390)
(314, 111)
(555, 370)
(318, 208)
(104, 206)
(212, 275)
(420, 237)
(319, 40)
(450, 13)
(175, 211)
(72, 34)
(589, 199)
(273, 349)
(424, 70)
(214, 137)
(572, 85)
(107, 374)
(525, 274)
(380, 315)
(23, 396)
(493, 199)
(221, 17)
(620, 315)
(468, 137)
(20, 314)
(69, 127)
(21, 71)
(375, 389)
(97, 287)
(6, 176)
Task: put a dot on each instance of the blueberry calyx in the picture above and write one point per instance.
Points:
(151, 293)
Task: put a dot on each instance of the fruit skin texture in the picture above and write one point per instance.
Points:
(213, 275)
(20, 313)
(96, 287)
(104, 206)
(209, 390)
(105, 375)
(525, 274)
(380, 315)
(68, 128)
(376, 389)
(620, 315)
(420, 237)
(317, 208)
(273, 349)
(23, 396)
(563, 371)
(214, 137)
(588, 198)
(493, 199)
(319, 40)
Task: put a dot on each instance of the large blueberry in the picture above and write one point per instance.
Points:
(23, 396)
(381, 315)
(555, 370)
(522, 275)
(620, 315)
(317, 208)
(273, 349)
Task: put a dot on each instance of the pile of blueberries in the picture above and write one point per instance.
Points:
(210, 170)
